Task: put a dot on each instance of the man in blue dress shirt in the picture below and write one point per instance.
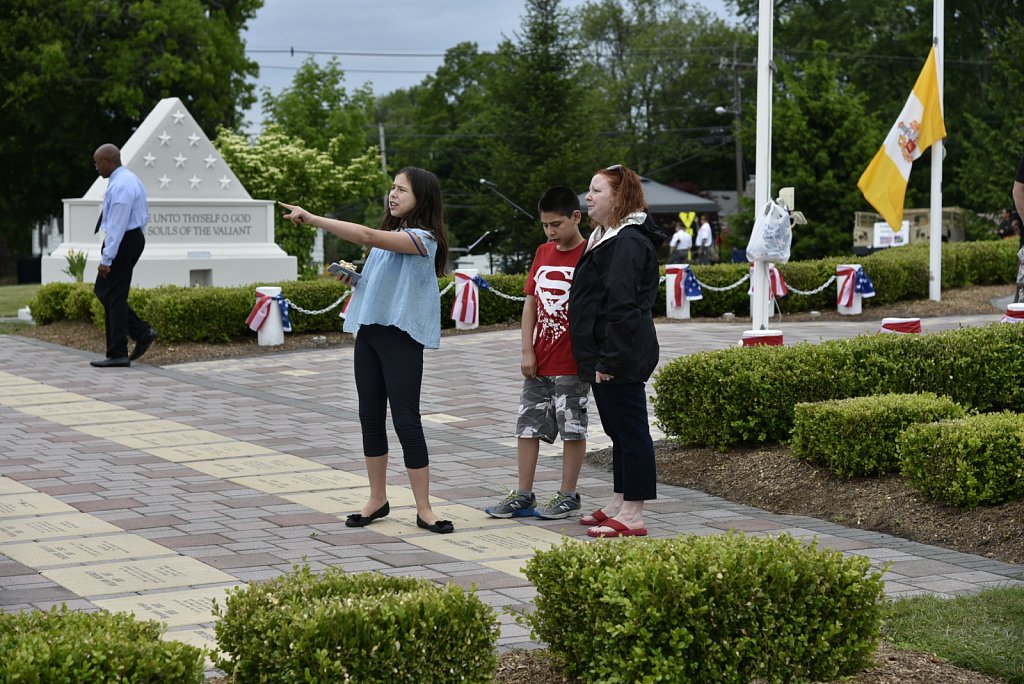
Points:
(123, 219)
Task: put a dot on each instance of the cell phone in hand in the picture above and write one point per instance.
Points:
(339, 270)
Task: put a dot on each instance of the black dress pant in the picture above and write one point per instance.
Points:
(623, 410)
(112, 291)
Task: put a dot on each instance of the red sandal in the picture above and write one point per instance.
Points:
(595, 518)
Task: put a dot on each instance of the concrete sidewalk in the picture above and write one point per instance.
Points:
(154, 489)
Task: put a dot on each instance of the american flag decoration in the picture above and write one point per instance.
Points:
(466, 308)
(261, 311)
(776, 283)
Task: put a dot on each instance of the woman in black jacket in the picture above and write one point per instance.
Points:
(614, 341)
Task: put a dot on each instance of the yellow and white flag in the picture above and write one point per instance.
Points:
(884, 182)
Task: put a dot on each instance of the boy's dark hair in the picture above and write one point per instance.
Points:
(559, 200)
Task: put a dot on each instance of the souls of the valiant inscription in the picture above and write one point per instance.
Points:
(204, 228)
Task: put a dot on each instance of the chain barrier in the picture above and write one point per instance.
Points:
(298, 308)
(815, 290)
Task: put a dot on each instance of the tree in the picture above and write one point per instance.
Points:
(820, 134)
(547, 131)
(662, 67)
(884, 44)
(78, 73)
(996, 127)
(284, 167)
(318, 110)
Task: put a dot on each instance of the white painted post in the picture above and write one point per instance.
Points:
(846, 279)
(271, 333)
(675, 276)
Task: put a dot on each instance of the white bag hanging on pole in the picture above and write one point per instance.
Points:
(772, 234)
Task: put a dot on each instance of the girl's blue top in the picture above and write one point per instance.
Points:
(400, 290)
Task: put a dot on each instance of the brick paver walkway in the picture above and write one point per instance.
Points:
(154, 489)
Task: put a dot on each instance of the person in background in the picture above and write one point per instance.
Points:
(614, 340)
(554, 399)
(679, 246)
(123, 219)
(705, 240)
(396, 311)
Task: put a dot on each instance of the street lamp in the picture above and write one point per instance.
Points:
(736, 124)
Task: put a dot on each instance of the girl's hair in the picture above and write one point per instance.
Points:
(428, 213)
(629, 193)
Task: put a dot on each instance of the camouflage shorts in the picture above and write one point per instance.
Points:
(552, 406)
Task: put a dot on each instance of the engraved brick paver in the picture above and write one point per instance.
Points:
(255, 535)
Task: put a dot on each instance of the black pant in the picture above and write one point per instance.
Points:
(623, 409)
(389, 369)
(112, 291)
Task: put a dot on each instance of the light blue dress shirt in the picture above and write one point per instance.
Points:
(124, 207)
(400, 290)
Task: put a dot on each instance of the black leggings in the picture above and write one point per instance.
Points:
(389, 368)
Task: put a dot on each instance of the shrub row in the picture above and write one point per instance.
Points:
(857, 436)
(971, 461)
(723, 609)
(364, 628)
(65, 646)
(746, 395)
(213, 314)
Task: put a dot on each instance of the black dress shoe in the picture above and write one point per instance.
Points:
(116, 362)
(360, 520)
(142, 344)
(440, 527)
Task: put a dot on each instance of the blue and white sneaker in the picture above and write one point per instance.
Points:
(515, 505)
(561, 505)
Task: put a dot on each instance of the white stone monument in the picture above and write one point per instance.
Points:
(204, 228)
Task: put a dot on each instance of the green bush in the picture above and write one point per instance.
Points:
(746, 395)
(79, 302)
(364, 628)
(48, 304)
(968, 462)
(723, 609)
(857, 436)
(65, 646)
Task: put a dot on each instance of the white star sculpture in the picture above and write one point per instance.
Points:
(180, 160)
(165, 182)
(194, 182)
(165, 140)
(149, 159)
(210, 160)
(224, 181)
(178, 117)
(193, 140)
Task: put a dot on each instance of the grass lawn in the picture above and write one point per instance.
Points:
(14, 297)
(981, 632)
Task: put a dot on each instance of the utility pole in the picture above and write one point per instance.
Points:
(383, 156)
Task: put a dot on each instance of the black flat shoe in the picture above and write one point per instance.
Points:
(116, 362)
(440, 527)
(142, 344)
(360, 520)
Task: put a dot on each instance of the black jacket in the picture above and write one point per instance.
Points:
(613, 292)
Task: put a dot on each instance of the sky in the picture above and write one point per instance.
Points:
(394, 43)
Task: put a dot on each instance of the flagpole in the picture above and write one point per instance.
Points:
(935, 213)
(760, 301)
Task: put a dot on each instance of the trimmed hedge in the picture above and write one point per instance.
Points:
(213, 314)
(364, 628)
(65, 646)
(718, 609)
(857, 436)
(746, 395)
(972, 461)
